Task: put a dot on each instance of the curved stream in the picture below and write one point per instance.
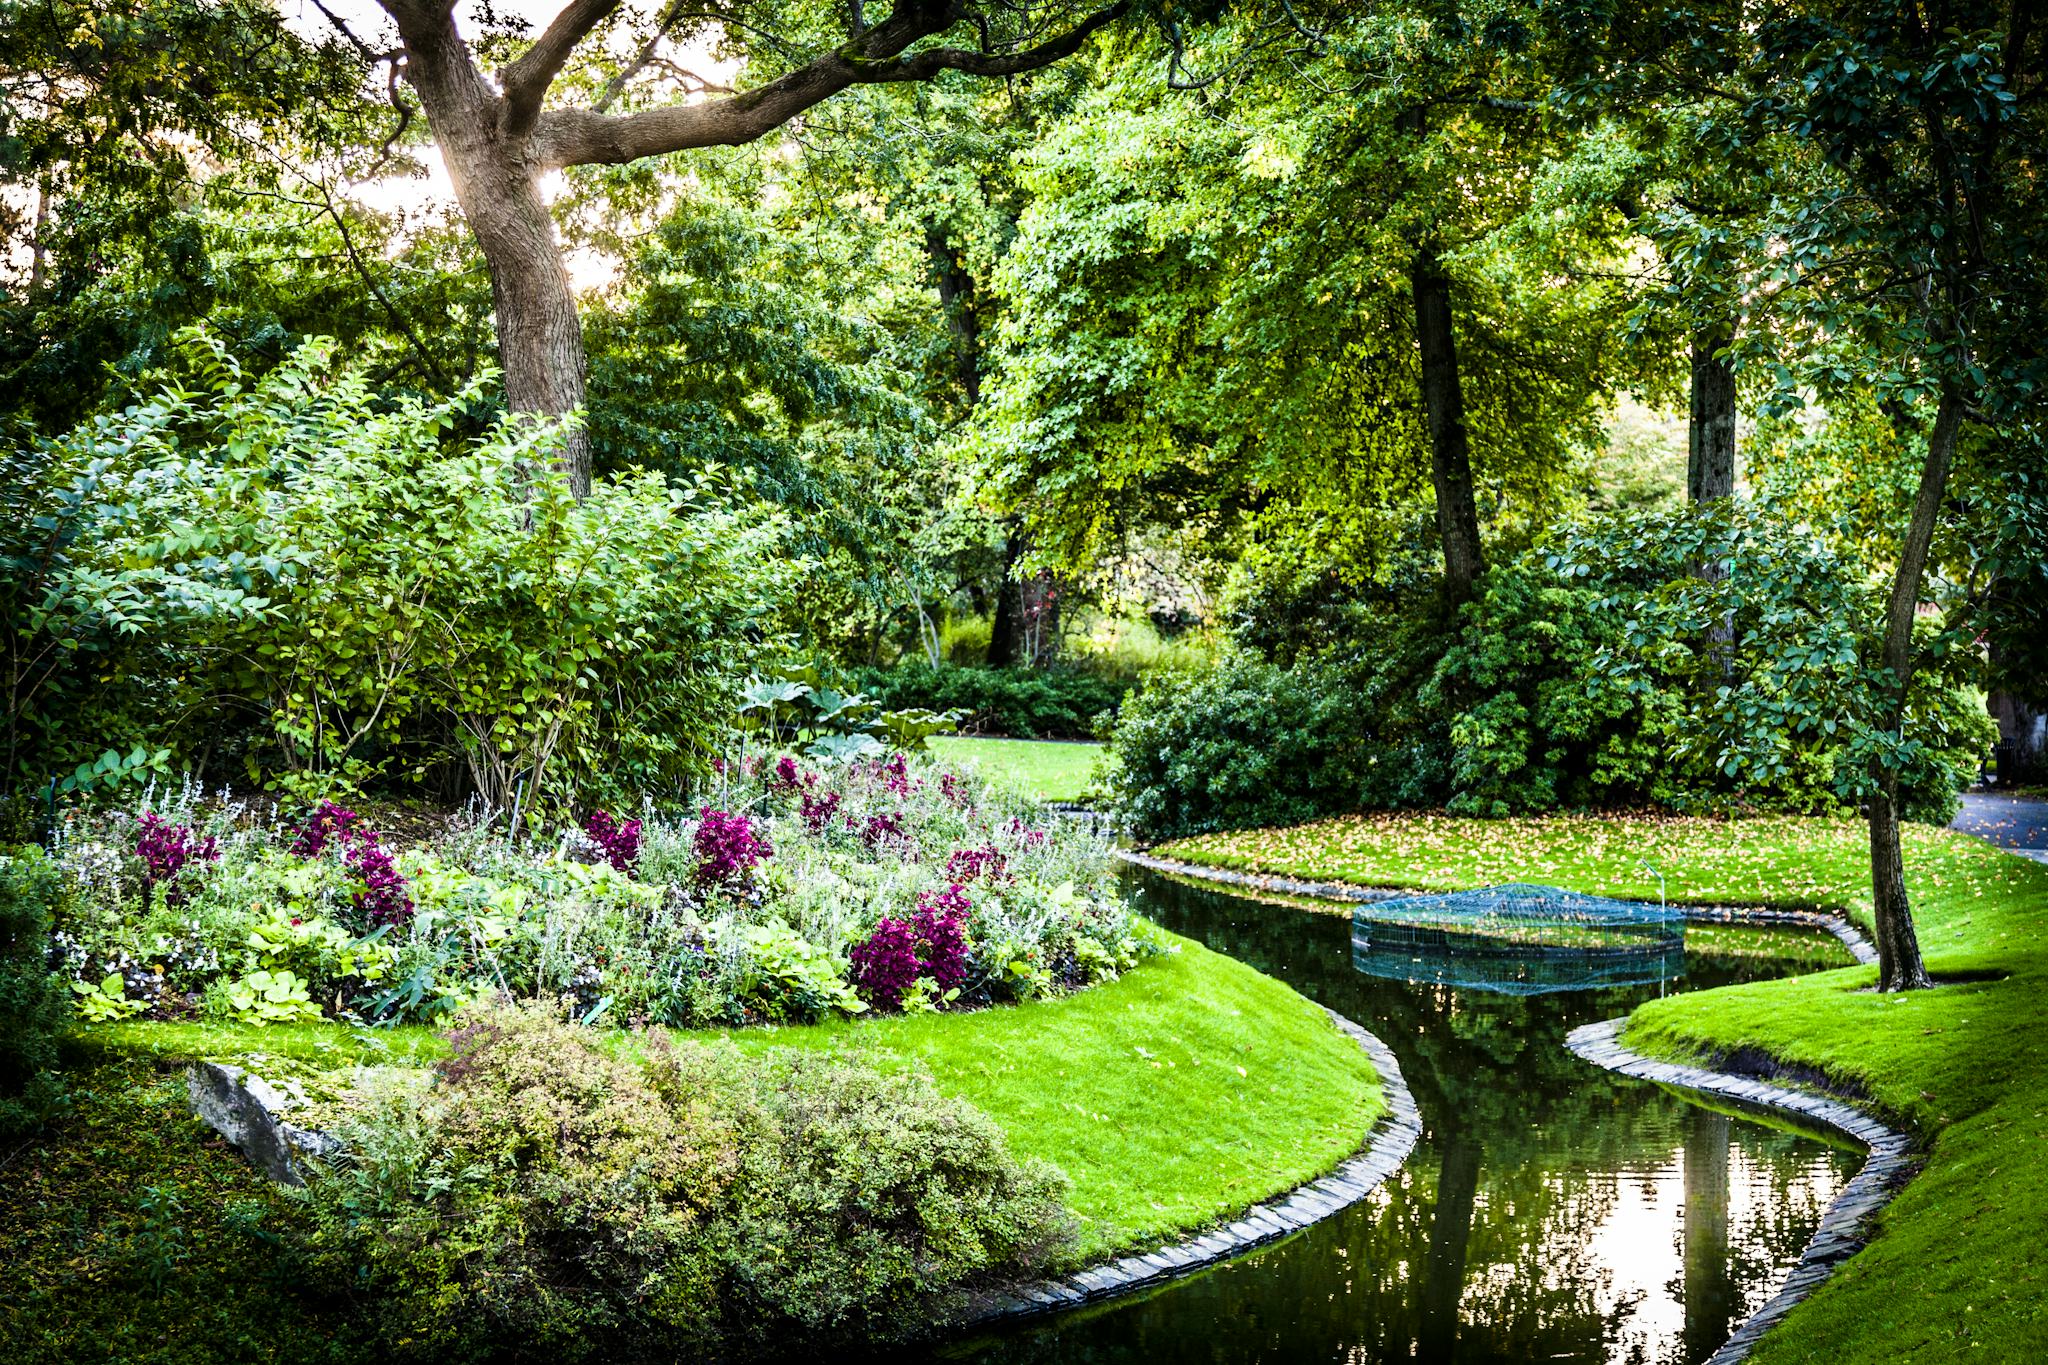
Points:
(1551, 1212)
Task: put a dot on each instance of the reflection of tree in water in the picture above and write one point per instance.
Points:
(1483, 1247)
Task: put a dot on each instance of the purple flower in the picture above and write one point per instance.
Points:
(818, 810)
(940, 923)
(620, 841)
(883, 828)
(381, 897)
(932, 943)
(885, 964)
(785, 771)
(329, 821)
(978, 864)
(728, 849)
(167, 850)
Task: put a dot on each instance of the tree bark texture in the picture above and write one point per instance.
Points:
(1899, 966)
(1710, 434)
(498, 140)
(1450, 447)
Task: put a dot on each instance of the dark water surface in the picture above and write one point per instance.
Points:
(1551, 1211)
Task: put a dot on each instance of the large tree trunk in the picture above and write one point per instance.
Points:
(1710, 434)
(540, 339)
(1899, 967)
(1450, 448)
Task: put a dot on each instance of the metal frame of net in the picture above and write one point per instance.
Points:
(1519, 939)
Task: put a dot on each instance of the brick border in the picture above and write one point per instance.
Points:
(1844, 1228)
(1387, 1144)
(1851, 937)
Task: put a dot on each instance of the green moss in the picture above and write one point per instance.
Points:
(131, 1233)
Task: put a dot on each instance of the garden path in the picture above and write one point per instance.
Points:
(2016, 822)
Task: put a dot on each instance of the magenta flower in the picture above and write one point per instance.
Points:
(619, 840)
(729, 849)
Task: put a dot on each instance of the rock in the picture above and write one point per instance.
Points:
(245, 1109)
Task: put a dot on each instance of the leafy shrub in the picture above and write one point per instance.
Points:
(1603, 671)
(1244, 744)
(385, 599)
(1050, 703)
(543, 1191)
(32, 998)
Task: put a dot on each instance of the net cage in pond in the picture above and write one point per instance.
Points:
(1519, 940)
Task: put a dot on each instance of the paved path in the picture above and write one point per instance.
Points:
(2014, 822)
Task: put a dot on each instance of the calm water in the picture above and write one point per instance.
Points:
(1551, 1212)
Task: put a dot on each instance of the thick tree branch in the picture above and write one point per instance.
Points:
(581, 137)
(526, 81)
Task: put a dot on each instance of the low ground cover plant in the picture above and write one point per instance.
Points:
(794, 890)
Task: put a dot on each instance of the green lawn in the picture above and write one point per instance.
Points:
(1178, 1095)
(1785, 861)
(1047, 769)
(1959, 1271)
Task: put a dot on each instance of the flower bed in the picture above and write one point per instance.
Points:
(794, 892)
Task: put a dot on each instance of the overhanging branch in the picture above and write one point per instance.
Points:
(581, 137)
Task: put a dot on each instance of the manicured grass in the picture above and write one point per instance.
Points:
(1046, 769)
(1173, 1097)
(1785, 860)
(1191, 1088)
(1959, 1271)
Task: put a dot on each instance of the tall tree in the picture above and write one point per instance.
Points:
(1899, 267)
(499, 137)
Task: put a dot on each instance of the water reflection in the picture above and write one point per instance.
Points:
(1551, 1211)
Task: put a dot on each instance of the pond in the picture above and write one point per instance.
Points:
(1551, 1212)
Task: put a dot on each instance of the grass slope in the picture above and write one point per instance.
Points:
(1045, 769)
(1173, 1098)
(1191, 1088)
(1959, 1271)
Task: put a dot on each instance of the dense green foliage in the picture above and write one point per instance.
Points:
(546, 1194)
(1027, 703)
(1606, 672)
(289, 580)
(33, 1009)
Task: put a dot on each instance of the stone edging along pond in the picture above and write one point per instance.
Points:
(1754, 915)
(1843, 1229)
(1392, 1136)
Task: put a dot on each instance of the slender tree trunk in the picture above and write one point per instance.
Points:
(1450, 448)
(957, 297)
(1899, 966)
(1710, 435)
(1006, 627)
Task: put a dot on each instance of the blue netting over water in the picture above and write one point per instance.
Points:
(1519, 939)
